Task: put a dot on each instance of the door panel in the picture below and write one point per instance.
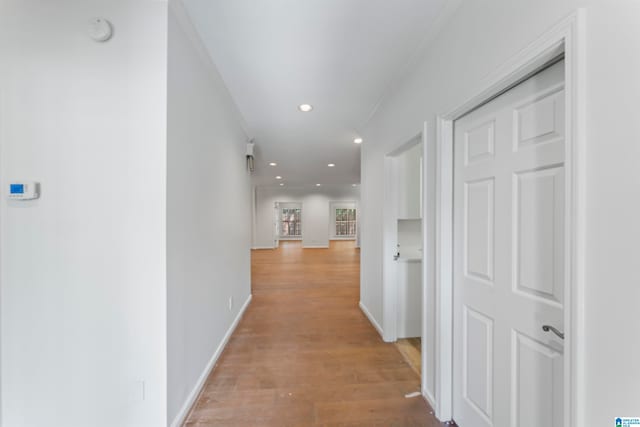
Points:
(479, 143)
(541, 120)
(538, 226)
(478, 362)
(479, 230)
(509, 237)
(538, 374)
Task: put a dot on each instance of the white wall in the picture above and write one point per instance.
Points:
(315, 211)
(408, 166)
(410, 237)
(480, 37)
(83, 268)
(208, 215)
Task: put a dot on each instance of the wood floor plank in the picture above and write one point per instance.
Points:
(410, 348)
(305, 355)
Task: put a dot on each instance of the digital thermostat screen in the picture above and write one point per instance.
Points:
(17, 189)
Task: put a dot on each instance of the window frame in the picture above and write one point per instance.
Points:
(344, 220)
(297, 222)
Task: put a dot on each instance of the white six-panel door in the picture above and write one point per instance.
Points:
(509, 237)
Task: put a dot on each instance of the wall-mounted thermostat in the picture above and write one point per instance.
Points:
(24, 190)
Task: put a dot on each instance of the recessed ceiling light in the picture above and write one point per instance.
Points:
(357, 141)
(331, 165)
(354, 185)
(278, 177)
(318, 185)
(282, 184)
(273, 164)
(305, 108)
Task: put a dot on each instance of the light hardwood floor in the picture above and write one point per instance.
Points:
(411, 351)
(305, 355)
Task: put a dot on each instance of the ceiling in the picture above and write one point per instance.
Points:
(338, 55)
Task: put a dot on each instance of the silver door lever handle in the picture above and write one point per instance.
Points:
(548, 328)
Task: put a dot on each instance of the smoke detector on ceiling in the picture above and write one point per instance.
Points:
(100, 29)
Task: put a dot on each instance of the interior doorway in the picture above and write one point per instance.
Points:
(403, 247)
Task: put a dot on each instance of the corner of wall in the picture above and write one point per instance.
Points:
(372, 319)
(179, 10)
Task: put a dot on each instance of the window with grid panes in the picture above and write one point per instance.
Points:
(345, 222)
(291, 222)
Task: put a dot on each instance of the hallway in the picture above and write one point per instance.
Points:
(305, 355)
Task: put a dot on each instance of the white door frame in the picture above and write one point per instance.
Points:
(566, 37)
(389, 240)
(427, 255)
(276, 225)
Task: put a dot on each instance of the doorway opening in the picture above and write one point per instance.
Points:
(403, 251)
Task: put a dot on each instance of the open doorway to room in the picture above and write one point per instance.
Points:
(403, 242)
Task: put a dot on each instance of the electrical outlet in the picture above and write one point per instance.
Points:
(230, 303)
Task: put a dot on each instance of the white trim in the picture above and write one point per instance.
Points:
(443, 270)
(427, 255)
(195, 393)
(429, 398)
(569, 37)
(275, 230)
(262, 247)
(315, 246)
(342, 238)
(254, 215)
(576, 133)
(389, 241)
(371, 318)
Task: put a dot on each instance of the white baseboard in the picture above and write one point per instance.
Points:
(429, 398)
(193, 396)
(315, 247)
(371, 319)
(263, 247)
